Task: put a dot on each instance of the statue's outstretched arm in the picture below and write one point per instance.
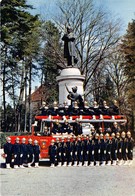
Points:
(67, 88)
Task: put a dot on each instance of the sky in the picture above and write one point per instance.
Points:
(123, 9)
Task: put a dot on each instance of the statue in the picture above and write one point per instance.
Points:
(75, 97)
(69, 47)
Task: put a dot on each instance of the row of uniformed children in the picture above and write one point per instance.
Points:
(21, 153)
(92, 150)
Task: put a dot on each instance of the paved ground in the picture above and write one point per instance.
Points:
(69, 181)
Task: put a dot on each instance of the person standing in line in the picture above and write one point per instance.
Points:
(124, 148)
(8, 150)
(23, 153)
(91, 151)
(63, 152)
(69, 152)
(85, 150)
(114, 149)
(16, 152)
(74, 147)
(79, 151)
(97, 149)
(30, 152)
(130, 145)
(52, 153)
(36, 150)
(59, 152)
(103, 150)
(108, 149)
(119, 149)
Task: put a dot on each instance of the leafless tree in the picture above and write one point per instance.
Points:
(95, 34)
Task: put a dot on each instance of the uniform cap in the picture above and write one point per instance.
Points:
(17, 139)
(23, 139)
(115, 123)
(8, 139)
(117, 133)
(55, 103)
(101, 135)
(35, 141)
(113, 134)
(30, 140)
(123, 133)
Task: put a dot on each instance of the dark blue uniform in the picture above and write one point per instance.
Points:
(30, 152)
(63, 152)
(53, 111)
(8, 150)
(119, 149)
(85, 149)
(69, 151)
(108, 149)
(59, 152)
(65, 128)
(56, 128)
(91, 151)
(79, 151)
(52, 153)
(36, 150)
(44, 111)
(124, 148)
(74, 148)
(130, 145)
(23, 153)
(16, 151)
(77, 127)
(103, 150)
(96, 150)
(114, 149)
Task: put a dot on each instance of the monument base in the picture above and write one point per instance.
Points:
(69, 77)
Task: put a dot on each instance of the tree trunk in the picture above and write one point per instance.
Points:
(25, 89)
(20, 102)
(30, 108)
(4, 92)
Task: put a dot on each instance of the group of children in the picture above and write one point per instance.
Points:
(21, 153)
(81, 150)
(92, 150)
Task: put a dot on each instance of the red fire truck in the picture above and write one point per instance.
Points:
(47, 121)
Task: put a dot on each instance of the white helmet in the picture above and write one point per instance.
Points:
(35, 142)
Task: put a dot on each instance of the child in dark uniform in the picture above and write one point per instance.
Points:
(36, 150)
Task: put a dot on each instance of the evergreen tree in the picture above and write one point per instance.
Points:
(19, 42)
(50, 62)
(128, 49)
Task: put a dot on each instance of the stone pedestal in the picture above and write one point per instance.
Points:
(71, 77)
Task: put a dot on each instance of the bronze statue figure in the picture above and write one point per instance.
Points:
(69, 47)
(75, 97)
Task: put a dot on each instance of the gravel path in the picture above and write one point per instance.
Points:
(69, 181)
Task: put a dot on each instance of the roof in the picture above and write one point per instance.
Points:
(38, 94)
